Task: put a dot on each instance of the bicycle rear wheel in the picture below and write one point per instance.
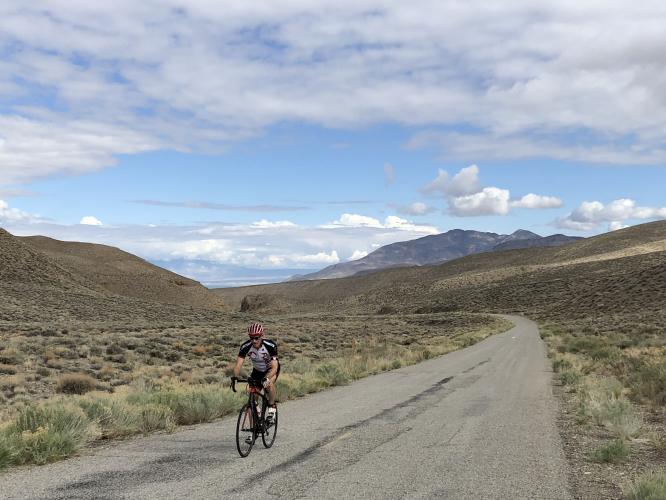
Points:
(245, 431)
(270, 430)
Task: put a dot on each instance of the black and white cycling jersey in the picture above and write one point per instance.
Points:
(261, 357)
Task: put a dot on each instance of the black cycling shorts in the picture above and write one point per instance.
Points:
(259, 376)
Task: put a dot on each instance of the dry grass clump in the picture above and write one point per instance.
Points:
(649, 486)
(648, 382)
(76, 383)
(41, 434)
(602, 401)
(190, 405)
(8, 369)
(614, 452)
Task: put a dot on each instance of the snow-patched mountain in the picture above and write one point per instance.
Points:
(435, 249)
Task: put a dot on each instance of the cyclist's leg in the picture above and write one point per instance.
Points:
(271, 392)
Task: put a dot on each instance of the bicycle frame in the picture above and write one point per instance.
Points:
(258, 420)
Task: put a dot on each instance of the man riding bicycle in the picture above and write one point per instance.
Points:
(265, 365)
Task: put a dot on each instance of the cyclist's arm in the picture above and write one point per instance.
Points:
(239, 364)
(273, 369)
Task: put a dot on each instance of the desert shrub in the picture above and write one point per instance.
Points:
(172, 356)
(156, 417)
(331, 374)
(8, 369)
(561, 364)
(571, 377)
(295, 386)
(387, 310)
(76, 383)
(114, 418)
(649, 486)
(614, 452)
(198, 350)
(425, 354)
(470, 340)
(114, 349)
(619, 416)
(11, 356)
(583, 345)
(5, 453)
(116, 358)
(191, 405)
(603, 401)
(648, 383)
(605, 353)
(41, 434)
(658, 441)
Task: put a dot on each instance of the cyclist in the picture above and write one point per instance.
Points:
(265, 365)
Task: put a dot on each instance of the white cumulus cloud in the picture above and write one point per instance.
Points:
(466, 197)
(9, 215)
(321, 258)
(358, 254)
(535, 201)
(616, 225)
(356, 220)
(591, 215)
(465, 182)
(264, 224)
(488, 201)
(90, 220)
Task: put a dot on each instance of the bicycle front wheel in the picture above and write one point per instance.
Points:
(270, 430)
(245, 431)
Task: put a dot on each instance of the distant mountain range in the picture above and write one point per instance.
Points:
(436, 249)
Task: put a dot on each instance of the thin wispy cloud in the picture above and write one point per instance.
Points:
(222, 206)
(415, 209)
(347, 202)
(389, 173)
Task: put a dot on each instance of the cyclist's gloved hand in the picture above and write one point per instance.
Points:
(265, 382)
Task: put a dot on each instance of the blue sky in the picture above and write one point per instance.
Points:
(245, 144)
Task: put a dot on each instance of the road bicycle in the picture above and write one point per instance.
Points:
(251, 418)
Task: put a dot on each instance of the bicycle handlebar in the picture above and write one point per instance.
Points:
(234, 380)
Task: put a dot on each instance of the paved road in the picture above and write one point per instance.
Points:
(477, 423)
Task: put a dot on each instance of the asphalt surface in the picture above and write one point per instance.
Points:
(474, 424)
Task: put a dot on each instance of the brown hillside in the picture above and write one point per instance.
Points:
(20, 264)
(38, 289)
(125, 274)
